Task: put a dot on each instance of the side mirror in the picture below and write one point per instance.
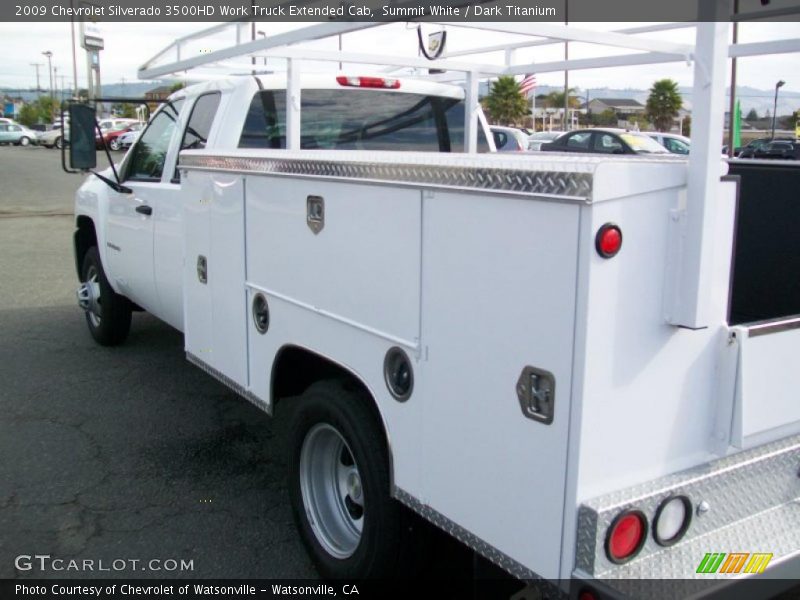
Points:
(82, 154)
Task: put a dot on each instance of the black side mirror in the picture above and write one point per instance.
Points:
(82, 153)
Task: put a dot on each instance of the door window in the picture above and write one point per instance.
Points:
(676, 146)
(150, 153)
(607, 144)
(500, 139)
(195, 137)
(579, 141)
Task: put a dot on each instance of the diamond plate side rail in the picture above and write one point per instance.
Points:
(753, 500)
(557, 185)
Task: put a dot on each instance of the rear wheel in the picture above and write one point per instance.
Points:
(114, 144)
(108, 314)
(339, 486)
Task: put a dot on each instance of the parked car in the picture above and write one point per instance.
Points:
(114, 123)
(54, 138)
(776, 149)
(509, 139)
(758, 144)
(111, 136)
(19, 135)
(676, 144)
(605, 141)
(127, 139)
(536, 140)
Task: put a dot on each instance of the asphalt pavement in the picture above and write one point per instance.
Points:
(127, 453)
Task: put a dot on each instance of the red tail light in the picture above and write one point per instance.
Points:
(608, 240)
(626, 536)
(369, 82)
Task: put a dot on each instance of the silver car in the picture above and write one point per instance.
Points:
(19, 135)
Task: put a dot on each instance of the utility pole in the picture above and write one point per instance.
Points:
(36, 66)
(49, 56)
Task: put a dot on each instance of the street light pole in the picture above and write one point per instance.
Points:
(36, 66)
(49, 56)
(778, 86)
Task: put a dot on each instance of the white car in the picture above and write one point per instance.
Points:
(676, 144)
(126, 140)
(509, 139)
(54, 138)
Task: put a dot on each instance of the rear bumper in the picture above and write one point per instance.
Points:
(753, 507)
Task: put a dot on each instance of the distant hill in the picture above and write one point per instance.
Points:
(133, 89)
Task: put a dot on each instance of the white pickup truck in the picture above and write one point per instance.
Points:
(485, 339)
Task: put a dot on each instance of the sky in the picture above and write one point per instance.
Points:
(129, 45)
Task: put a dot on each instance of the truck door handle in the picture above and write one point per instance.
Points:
(144, 209)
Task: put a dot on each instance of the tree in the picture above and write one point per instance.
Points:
(505, 103)
(555, 99)
(177, 86)
(28, 114)
(41, 110)
(752, 115)
(607, 118)
(663, 104)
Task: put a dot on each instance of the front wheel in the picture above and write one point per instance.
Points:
(108, 314)
(114, 144)
(59, 143)
(339, 486)
(24, 141)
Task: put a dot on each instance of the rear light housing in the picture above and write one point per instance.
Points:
(672, 520)
(626, 536)
(369, 82)
(608, 240)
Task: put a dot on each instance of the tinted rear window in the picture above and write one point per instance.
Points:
(358, 120)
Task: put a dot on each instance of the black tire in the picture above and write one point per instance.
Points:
(114, 144)
(382, 546)
(58, 143)
(111, 322)
(24, 140)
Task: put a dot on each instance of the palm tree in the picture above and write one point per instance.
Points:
(663, 104)
(505, 103)
(555, 99)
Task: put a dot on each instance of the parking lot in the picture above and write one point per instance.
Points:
(125, 453)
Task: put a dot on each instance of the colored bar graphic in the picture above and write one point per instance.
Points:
(734, 562)
(758, 562)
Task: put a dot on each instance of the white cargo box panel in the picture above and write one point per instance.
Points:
(213, 274)
(766, 403)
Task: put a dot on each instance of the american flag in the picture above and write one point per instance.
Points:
(527, 84)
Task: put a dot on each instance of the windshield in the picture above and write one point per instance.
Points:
(642, 144)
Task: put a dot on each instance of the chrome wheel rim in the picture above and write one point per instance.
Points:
(333, 495)
(93, 283)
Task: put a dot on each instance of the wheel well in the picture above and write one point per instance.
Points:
(295, 369)
(85, 238)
